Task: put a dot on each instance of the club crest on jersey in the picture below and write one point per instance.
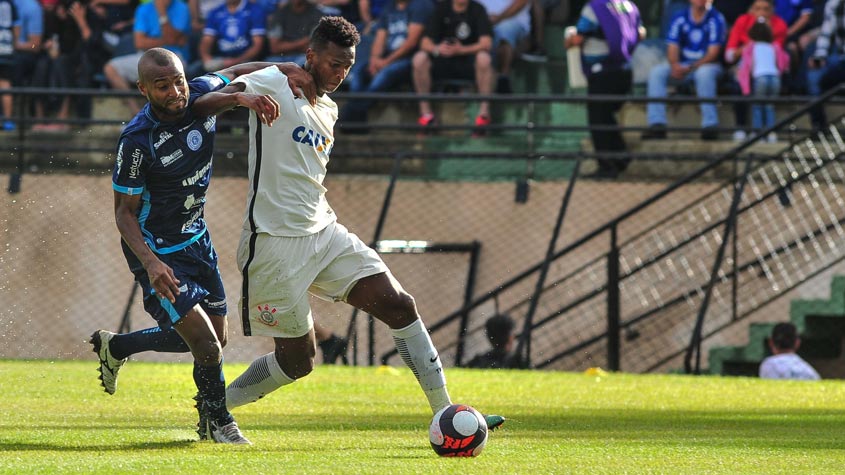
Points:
(267, 315)
(194, 140)
(309, 137)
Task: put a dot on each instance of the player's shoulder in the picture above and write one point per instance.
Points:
(137, 130)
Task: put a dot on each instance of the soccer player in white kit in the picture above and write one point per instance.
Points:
(292, 244)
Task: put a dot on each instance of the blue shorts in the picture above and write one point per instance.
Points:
(510, 30)
(199, 283)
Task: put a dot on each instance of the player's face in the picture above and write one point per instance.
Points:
(330, 65)
(167, 90)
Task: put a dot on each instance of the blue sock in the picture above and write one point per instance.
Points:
(212, 389)
(150, 339)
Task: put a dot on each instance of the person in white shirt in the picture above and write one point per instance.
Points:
(292, 244)
(784, 363)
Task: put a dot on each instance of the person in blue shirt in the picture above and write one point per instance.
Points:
(397, 37)
(233, 34)
(694, 44)
(10, 27)
(158, 24)
(160, 179)
(28, 44)
(796, 14)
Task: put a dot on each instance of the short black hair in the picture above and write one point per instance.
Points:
(784, 336)
(334, 29)
(760, 31)
(499, 328)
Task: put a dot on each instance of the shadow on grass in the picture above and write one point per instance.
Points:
(117, 447)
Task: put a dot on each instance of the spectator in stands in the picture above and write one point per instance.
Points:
(796, 14)
(541, 10)
(60, 64)
(455, 45)
(827, 65)
(738, 39)
(158, 23)
(200, 9)
(759, 73)
(499, 330)
(694, 47)
(607, 32)
(112, 22)
(289, 30)
(234, 34)
(784, 362)
(10, 27)
(398, 33)
(511, 20)
(28, 44)
(72, 52)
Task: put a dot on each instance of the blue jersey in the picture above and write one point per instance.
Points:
(234, 31)
(790, 10)
(8, 20)
(169, 165)
(693, 39)
(396, 22)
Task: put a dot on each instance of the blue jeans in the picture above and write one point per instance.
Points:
(763, 115)
(394, 74)
(817, 82)
(705, 78)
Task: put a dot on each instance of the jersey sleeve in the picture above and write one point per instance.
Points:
(673, 33)
(130, 168)
(265, 81)
(203, 85)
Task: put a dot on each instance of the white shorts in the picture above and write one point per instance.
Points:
(279, 272)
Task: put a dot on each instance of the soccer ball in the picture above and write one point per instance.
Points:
(458, 431)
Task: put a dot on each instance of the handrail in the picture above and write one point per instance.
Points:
(730, 155)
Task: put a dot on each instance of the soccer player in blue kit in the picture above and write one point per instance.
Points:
(161, 175)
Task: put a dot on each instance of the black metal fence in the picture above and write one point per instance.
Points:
(591, 270)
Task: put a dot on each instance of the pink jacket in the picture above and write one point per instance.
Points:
(746, 65)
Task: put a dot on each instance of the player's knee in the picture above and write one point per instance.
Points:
(405, 305)
(296, 367)
(483, 60)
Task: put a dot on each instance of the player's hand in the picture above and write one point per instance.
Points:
(302, 84)
(264, 106)
(163, 280)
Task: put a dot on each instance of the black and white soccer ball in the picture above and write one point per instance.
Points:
(458, 431)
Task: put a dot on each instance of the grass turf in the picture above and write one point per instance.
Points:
(54, 418)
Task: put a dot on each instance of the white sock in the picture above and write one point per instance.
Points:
(415, 347)
(262, 377)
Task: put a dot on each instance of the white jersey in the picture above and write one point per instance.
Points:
(287, 162)
(787, 366)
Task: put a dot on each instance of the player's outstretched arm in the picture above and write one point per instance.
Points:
(301, 82)
(161, 276)
(231, 96)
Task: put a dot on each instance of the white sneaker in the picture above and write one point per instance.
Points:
(740, 136)
(772, 137)
(109, 365)
(228, 434)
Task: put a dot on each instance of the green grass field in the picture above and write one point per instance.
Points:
(54, 418)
